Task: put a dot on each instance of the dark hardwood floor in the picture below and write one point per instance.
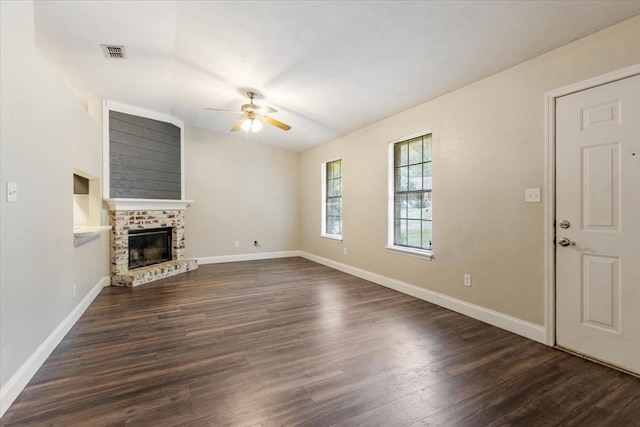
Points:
(290, 342)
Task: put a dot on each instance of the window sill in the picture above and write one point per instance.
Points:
(332, 237)
(428, 255)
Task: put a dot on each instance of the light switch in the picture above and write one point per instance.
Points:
(532, 195)
(12, 192)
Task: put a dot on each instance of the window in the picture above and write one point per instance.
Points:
(410, 203)
(332, 199)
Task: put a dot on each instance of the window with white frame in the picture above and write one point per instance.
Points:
(410, 209)
(332, 199)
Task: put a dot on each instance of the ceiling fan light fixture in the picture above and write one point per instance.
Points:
(251, 125)
(254, 116)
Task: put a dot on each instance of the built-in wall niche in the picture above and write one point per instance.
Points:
(87, 207)
(80, 200)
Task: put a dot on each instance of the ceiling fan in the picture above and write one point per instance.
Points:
(253, 117)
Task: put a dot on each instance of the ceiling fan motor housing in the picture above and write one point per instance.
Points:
(250, 108)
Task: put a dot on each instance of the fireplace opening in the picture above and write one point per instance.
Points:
(148, 247)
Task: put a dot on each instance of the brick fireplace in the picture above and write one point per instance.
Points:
(123, 222)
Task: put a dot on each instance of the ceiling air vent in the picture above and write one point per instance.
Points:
(111, 51)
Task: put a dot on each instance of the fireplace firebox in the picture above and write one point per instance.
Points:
(149, 246)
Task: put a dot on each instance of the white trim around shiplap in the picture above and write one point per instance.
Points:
(247, 257)
(106, 163)
(20, 379)
(500, 320)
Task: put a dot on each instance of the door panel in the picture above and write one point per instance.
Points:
(598, 192)
(600, 115)
(600, 292)
(600, 186)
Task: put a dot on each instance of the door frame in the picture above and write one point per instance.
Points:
(550, 185)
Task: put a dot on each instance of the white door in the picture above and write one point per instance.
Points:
(598, 244)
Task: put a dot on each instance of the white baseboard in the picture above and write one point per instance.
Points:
(247, 257)
(503, 321)
(20, 379)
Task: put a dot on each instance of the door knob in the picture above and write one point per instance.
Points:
(564, 242)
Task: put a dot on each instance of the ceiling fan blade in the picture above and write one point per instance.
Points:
(275, 123)
(239, 123)
(225, 111)
(266, 110)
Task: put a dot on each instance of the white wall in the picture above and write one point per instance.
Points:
(488, 146)
(45, 134)
(243, 191)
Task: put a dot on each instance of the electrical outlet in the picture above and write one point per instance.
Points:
(467, 280)
(237, 244)
(345, 251)
(74, 291)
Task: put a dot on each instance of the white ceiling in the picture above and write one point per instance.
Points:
(329, 67)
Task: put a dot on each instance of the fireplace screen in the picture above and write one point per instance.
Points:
(147, 247)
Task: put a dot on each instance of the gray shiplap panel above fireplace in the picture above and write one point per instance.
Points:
(144, 156)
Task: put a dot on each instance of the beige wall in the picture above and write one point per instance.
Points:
(488, 146)
(45, 134)
(243, 191)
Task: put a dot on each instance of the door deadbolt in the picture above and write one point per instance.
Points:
(564, 224)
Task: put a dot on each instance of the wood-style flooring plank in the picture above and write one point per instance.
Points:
(289, 342)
